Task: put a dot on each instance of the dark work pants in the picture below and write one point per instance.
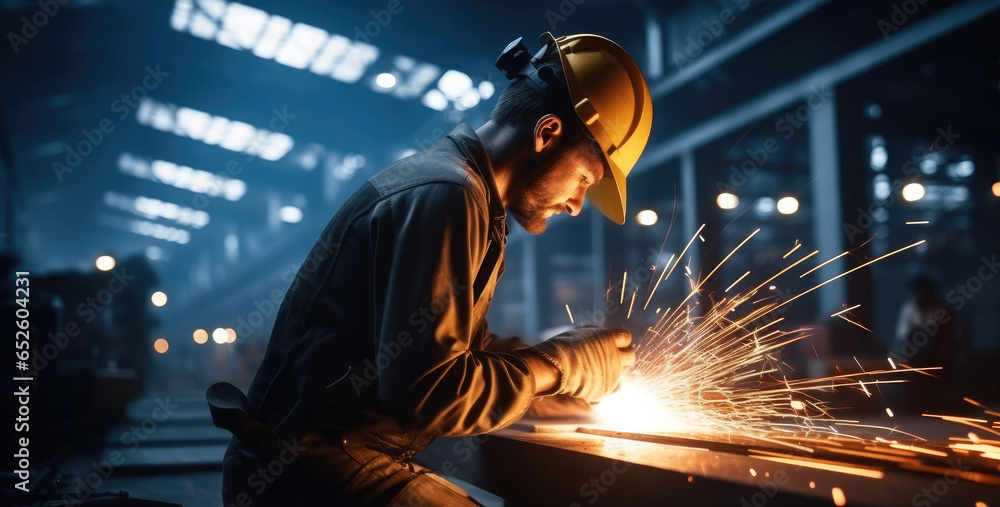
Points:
(315, 472)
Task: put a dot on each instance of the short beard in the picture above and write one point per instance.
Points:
(532, 199)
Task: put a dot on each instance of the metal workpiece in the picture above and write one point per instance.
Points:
(537, 463)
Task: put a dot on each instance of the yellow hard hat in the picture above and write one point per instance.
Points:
(609, 97)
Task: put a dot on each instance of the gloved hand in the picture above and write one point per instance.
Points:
(589, 359)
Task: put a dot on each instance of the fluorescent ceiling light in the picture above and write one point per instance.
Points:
(182, 177)
(277, 38)
(302, 46)
(160, 231)
(153, 209)
(214, 130)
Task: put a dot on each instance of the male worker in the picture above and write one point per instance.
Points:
(382, 344)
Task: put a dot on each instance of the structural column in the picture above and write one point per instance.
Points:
(824, 167)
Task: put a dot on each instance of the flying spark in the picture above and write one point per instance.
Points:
(624, 278)
(845, 310)
(715, 369)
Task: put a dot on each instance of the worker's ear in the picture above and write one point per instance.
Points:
(548, 132)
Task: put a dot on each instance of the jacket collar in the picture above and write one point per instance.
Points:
(472, 149)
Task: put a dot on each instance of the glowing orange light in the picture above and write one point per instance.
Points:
(200, 336)
(161, 345)
(838, 497)
(159, 298)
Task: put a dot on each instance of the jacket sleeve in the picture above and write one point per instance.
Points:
(495, 343)
(428, 244)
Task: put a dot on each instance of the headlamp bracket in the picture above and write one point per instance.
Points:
(517, 62)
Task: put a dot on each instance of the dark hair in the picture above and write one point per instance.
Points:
(522, 105)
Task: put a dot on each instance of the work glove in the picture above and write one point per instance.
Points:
(590, 360)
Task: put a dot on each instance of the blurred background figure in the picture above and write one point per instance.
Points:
(928, 335)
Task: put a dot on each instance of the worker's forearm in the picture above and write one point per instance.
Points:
(545, 373)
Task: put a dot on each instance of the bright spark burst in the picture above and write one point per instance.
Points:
(717, 372)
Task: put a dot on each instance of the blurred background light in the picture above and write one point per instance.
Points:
(961, 169)
(200, 336)
(486, 90)
(385, 80)
(787, 205)
(881, 214)
(346, 167)
(105, 263)
(913, 192)
(726, 200)
(453, 84)
(154, 253)
(928, 166)
(161, 345)
(151, 208)
(297, 45)
(159, 298)
(220, 335)
(414, 77)
(469, 99)
(873, 111)
(182, 177)
(160, 231)
(764, 206)
(290, 214)
(879, 158)
(301, 46)
(646, 217)
(881, 187)
(435, 99)
(213, 130)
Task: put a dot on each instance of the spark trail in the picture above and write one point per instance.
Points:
(717, 372)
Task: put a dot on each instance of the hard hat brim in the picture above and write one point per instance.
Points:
(608, 195)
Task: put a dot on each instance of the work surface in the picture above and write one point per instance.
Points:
(541, 463)
(545, 463)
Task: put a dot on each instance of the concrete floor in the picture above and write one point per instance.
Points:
(168, 451)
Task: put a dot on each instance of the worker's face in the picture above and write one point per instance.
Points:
(555, 178)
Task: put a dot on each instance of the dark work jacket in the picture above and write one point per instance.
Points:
(383, 331)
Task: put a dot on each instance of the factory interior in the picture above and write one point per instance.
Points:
(808, 264)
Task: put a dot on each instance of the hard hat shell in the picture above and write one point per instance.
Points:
(610, 95)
